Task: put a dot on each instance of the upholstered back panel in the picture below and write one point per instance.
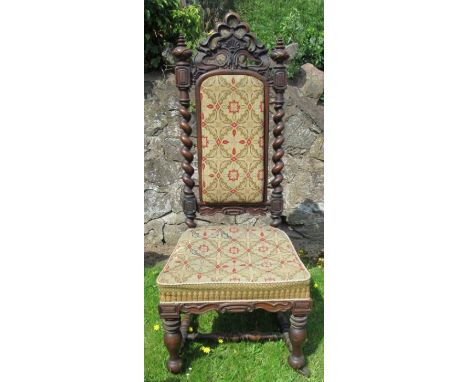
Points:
(232, 110)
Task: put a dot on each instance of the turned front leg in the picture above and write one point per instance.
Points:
(173, 342)
(297, 336)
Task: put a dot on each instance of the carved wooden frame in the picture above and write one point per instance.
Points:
(228, 51)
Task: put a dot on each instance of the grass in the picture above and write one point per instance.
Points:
(242, 361)
(298, 21)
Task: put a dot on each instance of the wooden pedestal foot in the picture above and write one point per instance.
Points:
(297, 336)
(173, 342)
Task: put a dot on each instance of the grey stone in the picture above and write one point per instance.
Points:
(310, 81)
(157, 204)
(153, 232)
(172, 232)
(292, 50)
(298, 135)
(303, 172)
(161, 172)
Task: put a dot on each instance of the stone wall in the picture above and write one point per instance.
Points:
(303, 184)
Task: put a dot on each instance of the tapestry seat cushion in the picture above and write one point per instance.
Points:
(225, 263)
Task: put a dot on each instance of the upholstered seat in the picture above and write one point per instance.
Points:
(225, 263)
(232, 268)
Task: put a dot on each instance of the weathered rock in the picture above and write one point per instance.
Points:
(310, 81)
(292, 50)
(299, 135)
(303, 184)
(172, 232)
(161, 172)
(153, 232)
(157, 204)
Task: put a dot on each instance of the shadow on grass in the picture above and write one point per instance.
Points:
(153, 258)
(258, 321)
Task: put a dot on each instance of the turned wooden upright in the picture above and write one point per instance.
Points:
(280, 82)
(183, 81)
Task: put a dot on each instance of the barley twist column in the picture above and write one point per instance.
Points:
(182, 70)
(279, 56)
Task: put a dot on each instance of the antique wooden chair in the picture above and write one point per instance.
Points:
(233, 268)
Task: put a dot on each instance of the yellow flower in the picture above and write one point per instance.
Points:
(220, 340)
(190, 329)
(156, 327)
(205, 349)
(315, 285)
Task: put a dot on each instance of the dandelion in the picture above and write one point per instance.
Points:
(156, 327)
(220, 340)
(205, 349)
(315, 285)
(190, 329)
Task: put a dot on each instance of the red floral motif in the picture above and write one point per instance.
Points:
(248, 260)
(203, 248)
(233, 175)
(233, 156)
(226, 112)
(203, 162)
(215, 106)
(233, 107)
(261, 106)
(248, 141)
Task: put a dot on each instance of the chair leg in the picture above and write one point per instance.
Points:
(173, 342)
(297, 335)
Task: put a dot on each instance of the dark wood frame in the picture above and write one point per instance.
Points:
(233, 40)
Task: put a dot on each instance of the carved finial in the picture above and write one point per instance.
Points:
(181, 52)
(279, 54)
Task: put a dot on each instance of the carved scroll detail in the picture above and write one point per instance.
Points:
(182, 55)
(232, 210)
(279, 56)
(231, 46)
(236, 307)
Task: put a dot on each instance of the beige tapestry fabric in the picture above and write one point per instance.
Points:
(232, 117)
(224, 263)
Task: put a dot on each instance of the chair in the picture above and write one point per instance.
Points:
(233, 268)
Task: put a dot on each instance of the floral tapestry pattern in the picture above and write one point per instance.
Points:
(232, 117)
(232, 263)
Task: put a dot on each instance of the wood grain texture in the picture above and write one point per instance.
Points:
(279, 56)
(182, 70)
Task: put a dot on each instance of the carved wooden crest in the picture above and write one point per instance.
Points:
(232, 46)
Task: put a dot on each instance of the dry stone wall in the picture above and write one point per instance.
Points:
(304, 160)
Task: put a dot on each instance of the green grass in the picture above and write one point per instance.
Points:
(298, 21)
(242, 361)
